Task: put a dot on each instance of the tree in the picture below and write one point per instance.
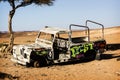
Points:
(15, 4)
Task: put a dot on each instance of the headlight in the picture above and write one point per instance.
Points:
(13, 51)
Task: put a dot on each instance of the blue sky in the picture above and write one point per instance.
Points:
(61, 14)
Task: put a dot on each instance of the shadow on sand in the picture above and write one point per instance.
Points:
(109, 56)
(113, 46)
(4, 76)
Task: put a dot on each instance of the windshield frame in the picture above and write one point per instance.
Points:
(44, 39)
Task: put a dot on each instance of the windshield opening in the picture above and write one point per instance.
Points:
(46, 36)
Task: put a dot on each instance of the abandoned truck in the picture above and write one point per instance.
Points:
(55, 45)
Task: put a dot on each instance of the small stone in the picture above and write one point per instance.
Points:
(43, 74)
(118, 73)
(118, 59)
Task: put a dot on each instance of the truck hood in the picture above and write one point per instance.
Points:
(32, 46)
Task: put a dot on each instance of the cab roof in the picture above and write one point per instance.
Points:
(54, 30)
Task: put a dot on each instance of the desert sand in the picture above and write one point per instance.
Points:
(106, 69)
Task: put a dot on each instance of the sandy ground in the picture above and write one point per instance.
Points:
(106, 69)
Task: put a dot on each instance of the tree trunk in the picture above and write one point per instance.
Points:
(11, 41)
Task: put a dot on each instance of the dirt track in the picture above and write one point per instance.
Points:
(106, 69)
